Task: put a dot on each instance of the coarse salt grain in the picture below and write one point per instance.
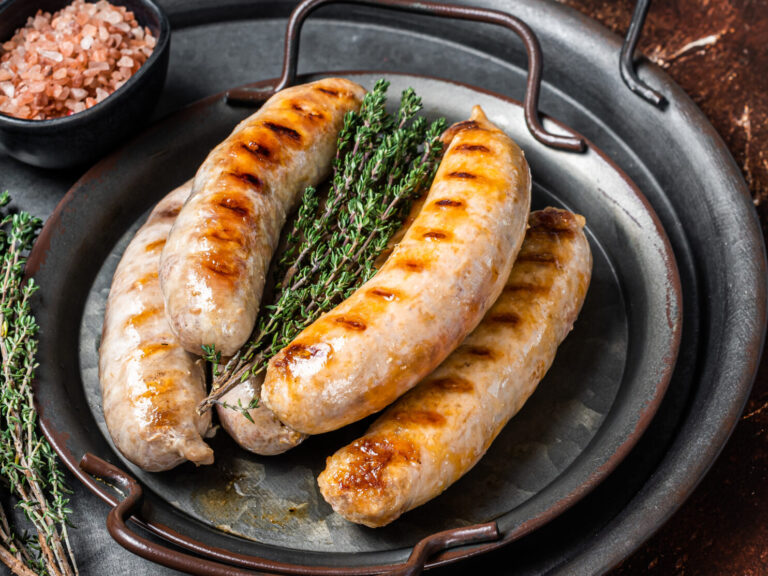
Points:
(63, 63)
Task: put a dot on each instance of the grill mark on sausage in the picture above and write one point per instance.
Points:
(311, 114)
(248, 180)
(281, 130)
(297, 352)
(150, 349)
(160, 414)
(386, 294)
(448, 203)
(554, 220)
(462, 175)
(328, 91)
(170, 212)
(466, 125)
(481, 351)
(218, 266)
(540, 258)
(152, 276)
(471, 148)
(350, 323)
(532, 288)
(411, 265)
(453, 384)
(152, 246)
(223, 233)
(420, 417)
(368, 457)
(256, 149)
(140, 318)
(435, 235)
(505, 318)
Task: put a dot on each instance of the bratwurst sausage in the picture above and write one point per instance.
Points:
(214, 264)
(430, 293)
(434, 434)
(263, 434)
(150, 386)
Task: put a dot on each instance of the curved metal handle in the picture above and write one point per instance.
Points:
(531, 42)
(627, 63)
(159, 554)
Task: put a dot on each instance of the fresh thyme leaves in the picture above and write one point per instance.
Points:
(382, 163)
(28, 465)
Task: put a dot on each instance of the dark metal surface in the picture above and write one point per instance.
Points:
(84, 137)
(606, 383)
(532, 48)
(627, 58)
(676, 158)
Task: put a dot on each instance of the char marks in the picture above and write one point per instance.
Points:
(449, 203)
(532, 288)
(350, 323)
(429, 418)
(152, 246)
(462, 175)
(453, 384)
(247, 179)
(386, 294)
(140, 318)
(436, 235)
(505, 318)
(220, 267)
(169, 212)
(258, 150)
(410, 264)
(283, 131)
(479, 351)
(539, 258)
(471, 148)
(328, 91)
(369, 457)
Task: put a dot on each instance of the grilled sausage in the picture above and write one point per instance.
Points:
(150, 385)
(214, 264)
(434, 434)
(430, 293)
(263, 434)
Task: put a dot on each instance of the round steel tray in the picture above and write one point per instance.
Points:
(674, 156)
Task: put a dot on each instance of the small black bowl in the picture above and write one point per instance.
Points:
(90, 134)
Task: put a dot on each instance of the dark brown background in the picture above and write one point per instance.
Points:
(717, 50)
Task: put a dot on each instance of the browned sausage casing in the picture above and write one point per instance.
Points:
(215, 262)
(150, 386)
(430, 293)
(434, 434)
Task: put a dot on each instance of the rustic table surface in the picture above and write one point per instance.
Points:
(717, 50)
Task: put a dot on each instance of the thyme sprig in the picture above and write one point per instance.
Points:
(382, 163)
(28, 465)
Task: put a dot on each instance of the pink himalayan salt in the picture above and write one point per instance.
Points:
(64, 63)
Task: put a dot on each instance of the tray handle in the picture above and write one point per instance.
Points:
(533, 48)
(626, 61)
(159, 554)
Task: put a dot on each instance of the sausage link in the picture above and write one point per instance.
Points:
(150, 385)
(263, 434)
(434, 434)
(214, 264)
(430, 293)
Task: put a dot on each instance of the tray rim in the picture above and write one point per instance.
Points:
(58, 438)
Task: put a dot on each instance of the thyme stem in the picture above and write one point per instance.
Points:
(27, 462)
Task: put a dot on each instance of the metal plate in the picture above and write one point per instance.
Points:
(598, 398)
(675, 157)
